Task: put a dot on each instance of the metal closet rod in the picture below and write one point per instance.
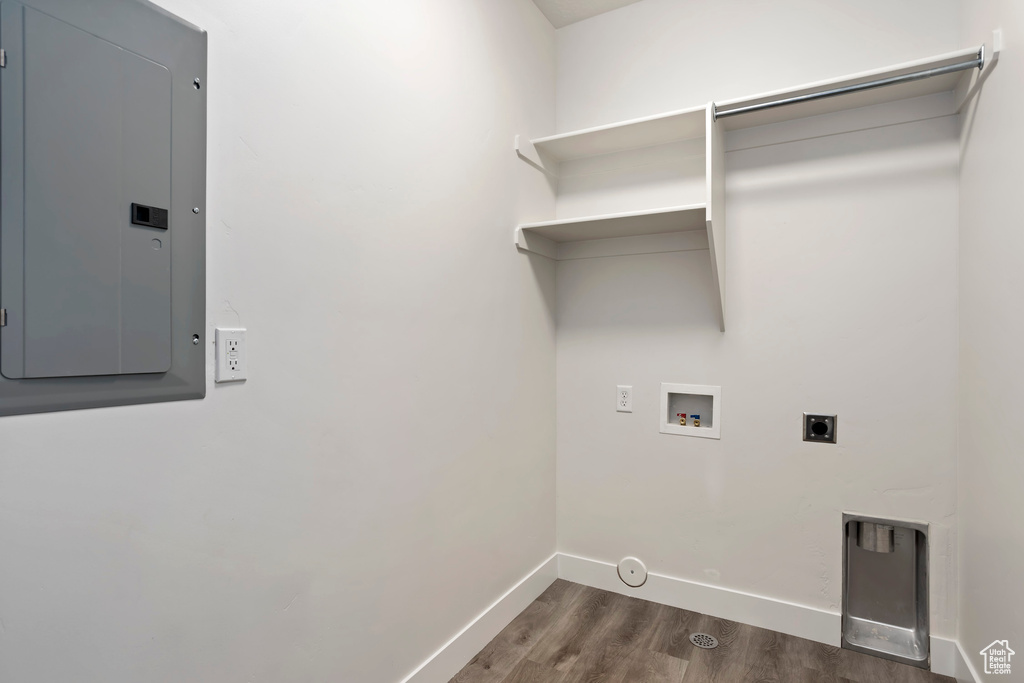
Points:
(978, 62)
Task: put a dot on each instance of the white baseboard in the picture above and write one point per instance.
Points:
(756, 610)
(948, 657)
(785, 617)
(956, 662)
(464, 645)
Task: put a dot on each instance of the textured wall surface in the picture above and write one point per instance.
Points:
(991, 374)
(564, 12)
(841, 249)
(661, 55)
(371, 488)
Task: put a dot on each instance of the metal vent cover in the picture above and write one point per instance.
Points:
(704, 641)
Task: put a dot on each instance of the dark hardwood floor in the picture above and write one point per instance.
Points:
(576, 634)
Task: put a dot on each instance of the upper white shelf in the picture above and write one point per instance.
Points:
(670, 229)
(698, 226)
(864, 98)
(685, 124)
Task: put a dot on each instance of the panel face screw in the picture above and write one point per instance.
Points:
(196, 84)
(195, 340)
(195, 209)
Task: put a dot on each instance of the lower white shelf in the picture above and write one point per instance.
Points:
(677, 228)
(674, 228)
(610, 225)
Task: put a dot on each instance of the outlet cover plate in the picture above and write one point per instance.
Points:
(231, 354)
(624, 398)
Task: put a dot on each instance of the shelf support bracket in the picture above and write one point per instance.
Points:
(536, 244)
(528, 153)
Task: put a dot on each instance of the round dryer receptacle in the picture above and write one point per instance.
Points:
(632, 572)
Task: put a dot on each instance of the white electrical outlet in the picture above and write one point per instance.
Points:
(230, 354)
(624, 399)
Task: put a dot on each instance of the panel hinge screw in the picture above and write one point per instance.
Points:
(196, 84)
(195, 209)
(195, 340)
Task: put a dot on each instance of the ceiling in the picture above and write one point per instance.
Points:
(564, 12)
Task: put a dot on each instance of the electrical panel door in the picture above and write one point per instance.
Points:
(102, 180)
(96, 137)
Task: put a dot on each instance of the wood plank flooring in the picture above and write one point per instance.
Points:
(576, 634)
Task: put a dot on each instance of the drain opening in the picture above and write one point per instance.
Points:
(704, 641)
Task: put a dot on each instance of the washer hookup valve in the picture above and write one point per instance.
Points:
(682, 419)
(696, 420)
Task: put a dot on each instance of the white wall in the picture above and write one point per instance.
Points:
(660, 55)
(991, 374)
(841, 287)
(388, 469)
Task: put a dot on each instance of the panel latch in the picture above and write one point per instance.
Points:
(3, 317)
(3, 58)
(150, 216)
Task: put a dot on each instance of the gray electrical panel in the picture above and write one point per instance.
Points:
(102, 184)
